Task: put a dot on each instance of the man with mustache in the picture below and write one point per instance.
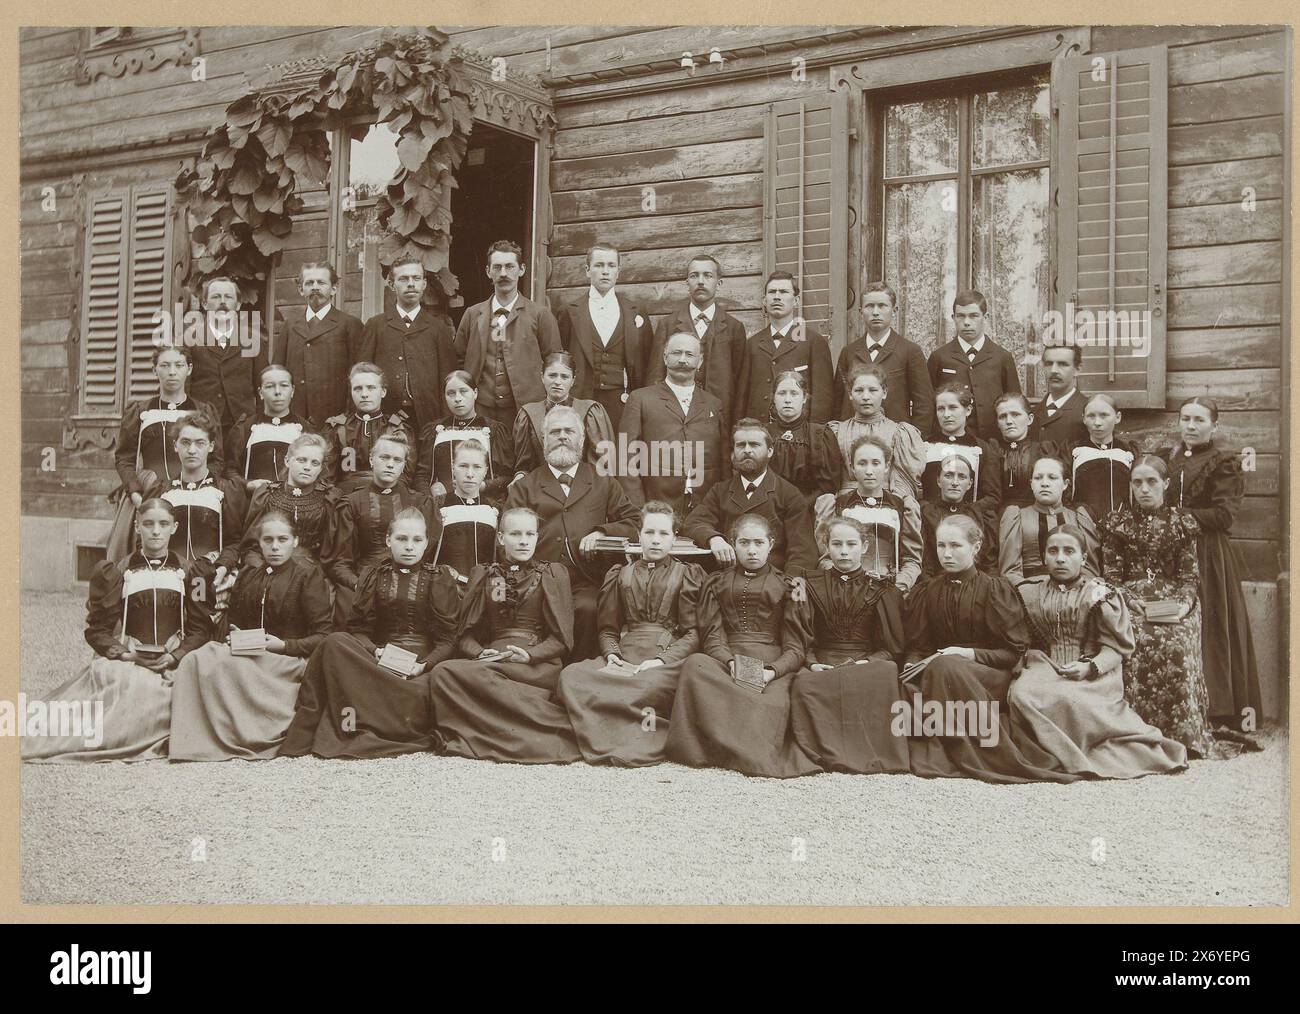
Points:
(722, 336)
(1059, 416)
(787, 343)
(976, 360)
(576, 505)
(223, 376)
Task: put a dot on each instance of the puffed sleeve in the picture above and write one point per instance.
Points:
(444, 609)
(128, 445)
(827, 462)
(920, 636)
(1006, 621)
(234, 511)
(471, 622)
(909, 461)
(526, 458)
(910, 545)
(990, 478)
(1113, 630)
(502, 453)
(796, 632)
(424, 458)
(342, 569)
(609, 611)
(248, 553)
(1225, 487)
(713, 628)
(1188, 573)
(599, 432)
(559, 614)
(334, 542)
(1092, 558)
(689, 607)
(314, 605)
(198, 620)
(887, 642)
(104, 610)
(361, 621)
(1010, 564)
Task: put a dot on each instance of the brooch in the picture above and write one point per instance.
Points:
(787, 435)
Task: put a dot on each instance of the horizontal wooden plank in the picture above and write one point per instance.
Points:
(735, 225)
(1216, 101)
(688, 162)
(661, 132)
(1225, 265)
(43, 356)
(1257, 519)
(1261, 560)
(743, 292)
(684, 196)
(44, 332)
(1264, 478)
(1221, 142)
(48, 47)
(1110, 37)
(1223, 347)
(1153, 428)
(59, 505)
(1225, 182)
(1219, 224)
(1225, 306)
(662, 265)
(1224, 59)
(1243, 389)
(45, 381)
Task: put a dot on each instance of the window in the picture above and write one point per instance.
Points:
(964, 198)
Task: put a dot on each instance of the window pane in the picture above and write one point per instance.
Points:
(1011, 126)
(1010, 258)
(921, 138)
(921, 259)
(373, 162)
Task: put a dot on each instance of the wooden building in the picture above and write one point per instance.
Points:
(1132, 168)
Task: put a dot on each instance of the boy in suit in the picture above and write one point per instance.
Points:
(785, 344)
(608, 337)
(1059, 416)
(911, 395)
(722, 337)
(976, 360)
(224, 376)
(502, 341)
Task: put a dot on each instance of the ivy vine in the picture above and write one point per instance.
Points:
(241, 194)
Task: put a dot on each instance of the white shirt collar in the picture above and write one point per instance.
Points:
(752, 482)
(496, 305)
(596, 299)
(783, 333)
(408, 315)
(978, 346)
(683, 393)
(706, 313)
(319, 315)
(557, 472)
(876, 343)
(1051, 402)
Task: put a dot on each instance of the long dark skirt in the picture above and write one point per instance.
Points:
(953, 683)
(622, 720)
(350, 706)
(717, 723)
(1231, 674)
(841, 718)
(501, 711)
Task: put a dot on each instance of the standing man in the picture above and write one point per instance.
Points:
(608, 337)
(911, 395)
(722, 337)
(670, 442)
(319, 345)
(1059, 416)
(225, 372)
(976, 360)
(502, 341)
(576, 505)
(785, 344)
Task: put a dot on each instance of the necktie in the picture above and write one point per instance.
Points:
(701, 324)
(776, 342)
(750, 487)
(1051, 410)
(971, 356)
(875, 352)
(566, 482)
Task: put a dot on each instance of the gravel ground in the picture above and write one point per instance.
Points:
(431, 830)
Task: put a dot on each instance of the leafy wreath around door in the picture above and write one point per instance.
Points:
(241, 193)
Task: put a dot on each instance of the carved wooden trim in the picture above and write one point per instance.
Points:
(140, 49)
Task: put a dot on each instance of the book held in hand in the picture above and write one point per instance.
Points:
(399, 660)
(248, 642)
(1163, 610)
(748, 673)
(620, 667)
(910, 672)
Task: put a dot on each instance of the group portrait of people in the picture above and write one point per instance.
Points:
(392, 536)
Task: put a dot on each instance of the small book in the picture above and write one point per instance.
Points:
(399, 660)
(910, 672)
(611, 544)
(494, 655)
(619, 667)
(248, 642)
(749, 673)
(1163, 610)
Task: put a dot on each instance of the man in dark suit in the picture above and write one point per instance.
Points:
(722, 337)
(1059, 416)
(319, 346)
(607, 335)
(502, 342)
(752, 489)
(413, 347)
(670, 440)
(576, 505)
(976, 360)
(787, 343)
(911, 395)
(225, 369)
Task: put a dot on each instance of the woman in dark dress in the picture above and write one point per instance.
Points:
(557, 382)
(955, 481)
(226, 705)
(974, 626)
(144, 615)
(1022, 535)
(497, 701)
(1101, 463)
(1068, 696)
(1149, 551)
(465, 523)
(648, 619)
(305, 498)
(841, 701)
(716, 721)
(463, 422)
(351, 705)
(1209, 482)
(804, 453)
(953, 404)
(1016, 452)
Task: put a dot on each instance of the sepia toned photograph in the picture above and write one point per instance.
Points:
(673, 465)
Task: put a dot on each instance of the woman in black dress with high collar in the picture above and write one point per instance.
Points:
(462, 422)
(1016, 452)
(804, 453)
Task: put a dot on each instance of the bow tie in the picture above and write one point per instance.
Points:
(971, 355)
(566, 478)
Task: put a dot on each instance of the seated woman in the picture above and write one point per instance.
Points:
(303, 497)
(749, 612)
(1100, 463)
(804, 453)
(144, 614)
(228, 705)
(463, 422)
(648, 624)
(953, 404)
(841, 701)
(1148, 550)
(1022, 536)
(955, 481)
(353, 702)
(972, 628)
(496, 701)
(891, 524)
(1069, 695)
(1016, 452)
(557, 382)
(466, 524)
(365, 515)
(867, 390)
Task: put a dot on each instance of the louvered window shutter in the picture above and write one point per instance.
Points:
(805, 205)
(1112, 235)
(148, 286)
